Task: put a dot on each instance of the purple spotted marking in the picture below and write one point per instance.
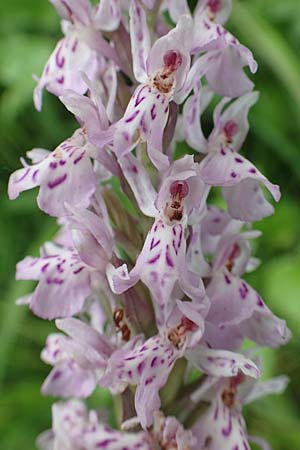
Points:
(223, 152)
(79, 158)
(259, 302)
(57, 281)
(244, 291)
(141, 367)
(60, 80)
(248, 366)
(133, 116)
(219, 30)
(53, 165)
(57, 181)
(233, 175)
(75, 272)
(154, 243)
(59, 267)
(227, 431)
(154, 259)
(149, 380)
(74, 46)
(139, 98)
(56, 375)
(44, 268)
(253, 170)
(34, 175)
(106, 442)
(143, 124)
(126, 135)
(227, 279)
(154, 361)
(239, 160)
(60, 60)
(153, 112)
(24, 175)
(62, 162)
(169, 260)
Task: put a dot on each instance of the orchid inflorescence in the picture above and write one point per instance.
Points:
(151, 270)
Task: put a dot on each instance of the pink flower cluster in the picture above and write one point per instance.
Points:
(152, 271)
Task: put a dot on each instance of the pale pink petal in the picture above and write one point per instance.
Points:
(192, 110)
(66, 175)
(140, 183)
(236, 115)
(70, 57)
(221, 428)
(221, 363)
(74, 9)
(140, 40)
(226, 168)
(145, 118)
(86, 335)
(108, 15)
(276, 385)
(246, 201)
(68, 379)
(64, 283)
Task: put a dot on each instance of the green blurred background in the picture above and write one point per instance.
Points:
(29, 31)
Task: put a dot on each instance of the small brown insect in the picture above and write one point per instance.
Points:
(121, 325)
(118, 316)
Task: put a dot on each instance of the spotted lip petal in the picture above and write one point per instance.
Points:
(224, 59)
(64, 282)
(225, 168)
(221, 427)
(65, 175)
(255, 208)
(147, 112)
(221, 363)
(78, 359)
(145, 118)
(237, 310)
(73, 427)
(68, 379)
(70, 57)
(160, 265)
(147, 366)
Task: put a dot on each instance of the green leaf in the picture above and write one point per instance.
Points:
(269, 45)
